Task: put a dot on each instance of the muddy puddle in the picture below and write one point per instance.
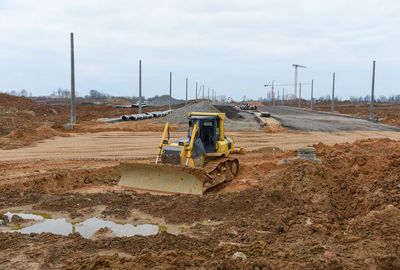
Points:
(86, 228)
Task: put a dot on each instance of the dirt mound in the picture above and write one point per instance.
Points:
(230, 112)
(180, 116)
(247, 121)
(274, 126)
(164, 100)
(371, 223)
(43, 132)
(21, 103)
(256, 103)
(352, 180)
(20, 111)
(62, 180)
(24, 136)
(27, 105)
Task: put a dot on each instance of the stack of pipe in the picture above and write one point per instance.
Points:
(148, 115)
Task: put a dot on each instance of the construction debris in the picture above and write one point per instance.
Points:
(265, 114)
(248, 107)
(304, 153)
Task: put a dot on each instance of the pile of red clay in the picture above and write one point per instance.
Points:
(24, 136)
(21, 111)
(256, 103)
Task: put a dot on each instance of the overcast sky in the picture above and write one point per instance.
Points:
(234, 47)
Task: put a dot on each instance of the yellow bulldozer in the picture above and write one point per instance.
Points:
(191, 165)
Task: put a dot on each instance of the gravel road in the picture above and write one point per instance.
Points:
(304, 120)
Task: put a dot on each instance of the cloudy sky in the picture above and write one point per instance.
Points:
(234, 47)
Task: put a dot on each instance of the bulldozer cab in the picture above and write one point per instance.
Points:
(208, 130)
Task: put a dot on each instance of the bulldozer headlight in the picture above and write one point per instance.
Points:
(165, 142)
(181, 143)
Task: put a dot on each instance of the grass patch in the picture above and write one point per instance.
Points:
(43, 215)
(162, 228)
(17, 227)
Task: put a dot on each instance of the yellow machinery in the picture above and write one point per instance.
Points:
(188, 166)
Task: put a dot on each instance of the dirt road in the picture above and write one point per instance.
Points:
(297, 119)
(133, 145)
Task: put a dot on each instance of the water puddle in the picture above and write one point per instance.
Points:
(91, 225)
(56, 226)
(86, 228)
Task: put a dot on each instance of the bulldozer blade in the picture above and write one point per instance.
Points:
(167, 179)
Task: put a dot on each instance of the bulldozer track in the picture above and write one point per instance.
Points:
(220, 171)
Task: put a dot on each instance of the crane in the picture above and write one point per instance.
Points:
(296, 66)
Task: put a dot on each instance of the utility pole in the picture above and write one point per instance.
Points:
(371, 113)
(296, 66)
(208, 93)
(300, 96)
(203, 91)
(186, 89)
(333, 94)
(170, 90)
(278, 95)
(140, 86)
(283, 96)
(312, 94)
(196, 90)
(73, 101)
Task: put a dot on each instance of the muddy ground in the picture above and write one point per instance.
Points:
(341, 213)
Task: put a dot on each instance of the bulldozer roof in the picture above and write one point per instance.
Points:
(202, 115)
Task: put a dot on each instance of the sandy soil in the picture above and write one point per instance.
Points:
(126, 145)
